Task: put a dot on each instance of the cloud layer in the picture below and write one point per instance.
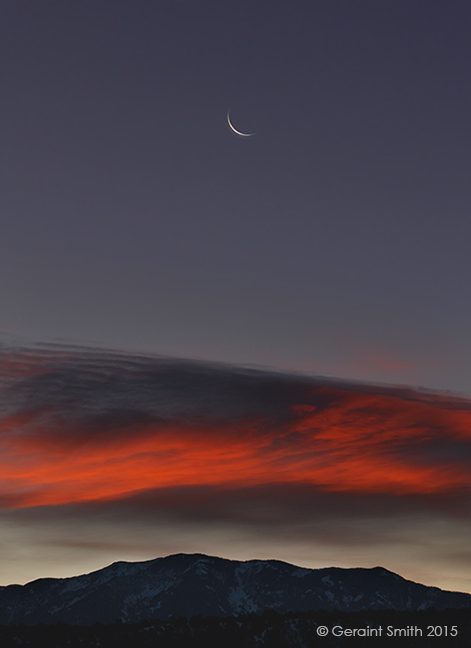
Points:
(83, 425)
(180, 442)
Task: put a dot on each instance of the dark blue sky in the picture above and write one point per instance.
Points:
(334, 241)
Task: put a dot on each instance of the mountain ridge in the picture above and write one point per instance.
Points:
(187, 585)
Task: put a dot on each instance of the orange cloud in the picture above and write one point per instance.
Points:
(357, 445)
(66, 444)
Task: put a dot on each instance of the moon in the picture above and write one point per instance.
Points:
(237, 132)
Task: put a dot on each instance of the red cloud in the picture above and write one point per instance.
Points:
(358, 443)
(81, 427)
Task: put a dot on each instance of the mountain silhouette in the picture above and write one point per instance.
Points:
(186, 585)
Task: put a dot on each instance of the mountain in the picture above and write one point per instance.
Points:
(186, 585)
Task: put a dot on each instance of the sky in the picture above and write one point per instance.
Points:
(247, 346)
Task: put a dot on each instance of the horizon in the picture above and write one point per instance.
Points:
(217, 557)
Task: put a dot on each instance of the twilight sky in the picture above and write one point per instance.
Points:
(334, 242)
(107, 456)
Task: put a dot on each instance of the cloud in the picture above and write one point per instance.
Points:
(92, 426)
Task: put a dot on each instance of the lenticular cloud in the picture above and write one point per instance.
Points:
(80, 425)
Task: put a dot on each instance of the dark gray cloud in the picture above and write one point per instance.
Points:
(100, 390)
(103, 389)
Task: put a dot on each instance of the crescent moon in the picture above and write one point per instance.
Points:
(235, 129)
